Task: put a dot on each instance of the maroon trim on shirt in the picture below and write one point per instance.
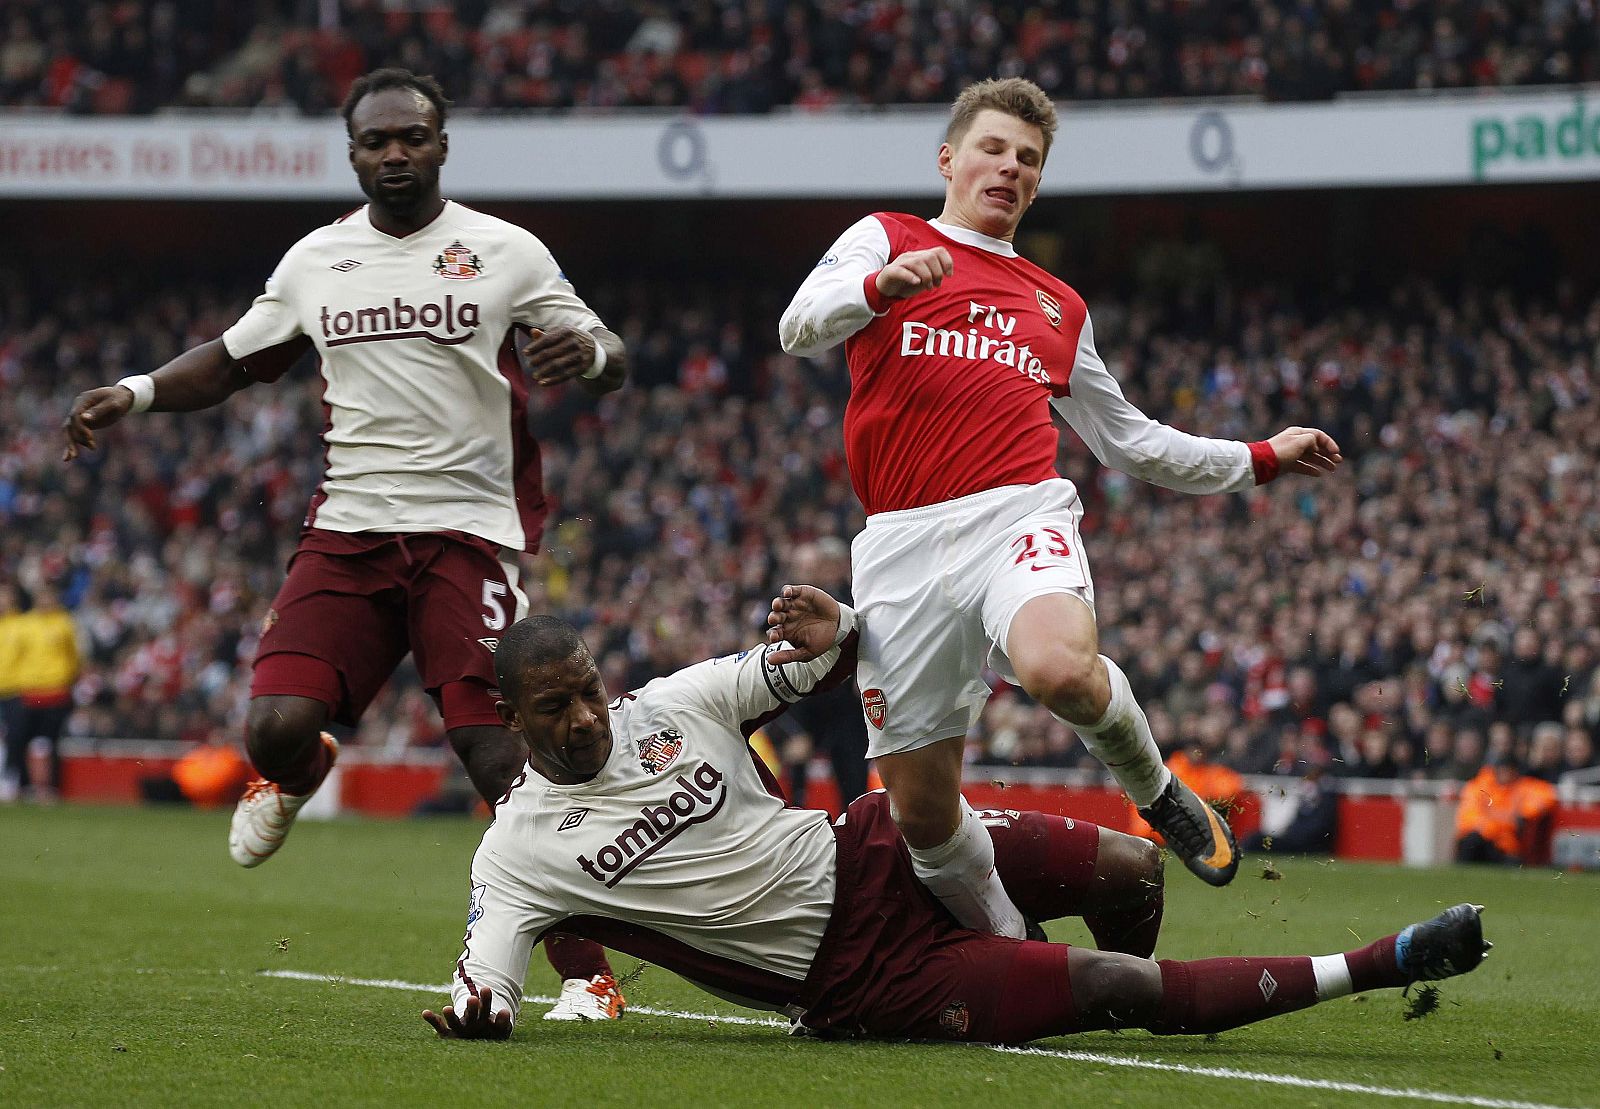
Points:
(763, 989)
(1264, 460)
(843, 669)
(321, 493)
(527, 467)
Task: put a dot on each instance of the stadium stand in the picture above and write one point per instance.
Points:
(1365, 623)
(726, 57)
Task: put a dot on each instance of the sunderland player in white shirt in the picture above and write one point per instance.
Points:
(958, 351)
(414, 305)
(647, 822)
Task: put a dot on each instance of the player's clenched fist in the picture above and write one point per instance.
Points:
(915, 271)
(559, 354)
(94, 408)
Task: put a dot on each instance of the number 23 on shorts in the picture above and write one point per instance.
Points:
(1055, 545)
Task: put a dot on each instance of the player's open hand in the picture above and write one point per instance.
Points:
(808, 618)
(93, 409)
(1305, 450)
(915, 271)
(558, 355)
(474, 1022)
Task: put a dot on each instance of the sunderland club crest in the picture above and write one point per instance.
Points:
(956, 1019)
(657, 752)
(457, 263)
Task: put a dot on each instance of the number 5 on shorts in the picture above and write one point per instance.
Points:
(495, 618)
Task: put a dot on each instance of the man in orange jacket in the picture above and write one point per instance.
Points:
(1504, 816)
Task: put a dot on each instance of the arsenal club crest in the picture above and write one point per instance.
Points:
(875, 706)
(458, 263)
(1051, 307)
(657, 752)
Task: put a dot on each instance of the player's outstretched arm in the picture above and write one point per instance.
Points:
(476, 1021)
(571, 354)
(808, 618)
(1305, 450)
(198, 378)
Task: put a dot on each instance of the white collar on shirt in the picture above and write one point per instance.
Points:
(432, 225)
(974, 238)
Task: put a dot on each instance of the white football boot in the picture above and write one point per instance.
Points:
(597, 998)
(265, 813)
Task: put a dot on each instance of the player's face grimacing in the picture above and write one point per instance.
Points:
(992, 173)
(397, 148)
(561, 712)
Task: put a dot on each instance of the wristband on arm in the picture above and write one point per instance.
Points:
(599, 366)
(877, 303)
(143, 388)
(1264, 461)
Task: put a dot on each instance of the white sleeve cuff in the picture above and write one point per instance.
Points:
(599, 366)
(847, 623)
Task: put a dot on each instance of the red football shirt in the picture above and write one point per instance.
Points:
(951, 389)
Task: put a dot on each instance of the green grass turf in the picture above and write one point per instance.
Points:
(130, 949)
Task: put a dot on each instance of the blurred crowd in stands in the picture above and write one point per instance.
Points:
(746, 56)
(1431, 606)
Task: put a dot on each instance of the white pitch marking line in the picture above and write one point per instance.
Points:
(1276, 1079)
(1072, 1056)
(419, 987)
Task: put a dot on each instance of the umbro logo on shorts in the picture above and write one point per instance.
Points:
(346, 266)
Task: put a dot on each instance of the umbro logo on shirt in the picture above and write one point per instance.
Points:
(571, 819)
(346, 266)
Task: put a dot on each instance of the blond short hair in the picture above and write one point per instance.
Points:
(1015, 96)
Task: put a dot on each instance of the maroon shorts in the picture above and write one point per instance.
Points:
(354, 604)
(894, 963)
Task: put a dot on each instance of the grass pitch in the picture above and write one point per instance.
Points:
(133, 951)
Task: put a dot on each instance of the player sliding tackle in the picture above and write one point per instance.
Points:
(958, 350)
(647, 824)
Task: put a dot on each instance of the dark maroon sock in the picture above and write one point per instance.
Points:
(302, 780)
(1213, 995)
(575, 957)
(1130, 931)
(1373, 967)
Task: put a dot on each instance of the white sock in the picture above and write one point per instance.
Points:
(1122, 740)
(1332, 975)
(960, 872)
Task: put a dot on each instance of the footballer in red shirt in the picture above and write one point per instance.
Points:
(958, 350)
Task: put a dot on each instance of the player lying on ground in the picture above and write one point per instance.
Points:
(647, 825)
